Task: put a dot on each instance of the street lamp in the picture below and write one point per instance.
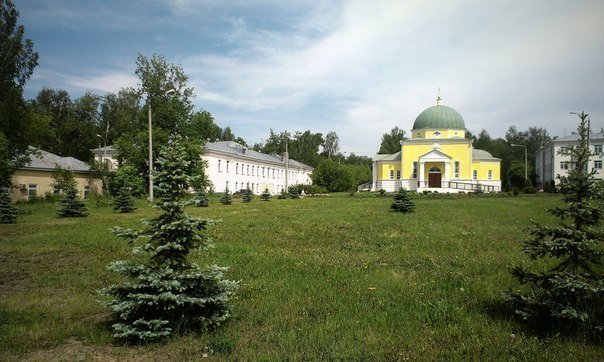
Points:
(525, 160)
(151, 144)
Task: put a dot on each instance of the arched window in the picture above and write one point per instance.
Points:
(219, 170)
(475, 175)
(398, 174)
(392, 174)
(434, 169)
(490, 175)
(414, 170)
(456, 169)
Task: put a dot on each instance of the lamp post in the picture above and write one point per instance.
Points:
(525, 160)
(151, 144)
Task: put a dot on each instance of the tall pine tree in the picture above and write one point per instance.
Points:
(568, 289)
(168, 294)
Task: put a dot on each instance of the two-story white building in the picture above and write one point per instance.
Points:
(549, 162)
(237, 167)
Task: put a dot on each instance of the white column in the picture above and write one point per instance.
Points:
(447, 171)
(375, 173)
(421, 173)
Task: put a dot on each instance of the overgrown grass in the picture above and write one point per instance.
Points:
(334, 277)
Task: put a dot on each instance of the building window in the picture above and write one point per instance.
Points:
(564, 165)
(414, 170)
(248, 170)
(564, 149)
(597, 150)
(226, 184)
(236, 186)
(32, 191)
(56, 190)
(598, 164)
(490, 175)
(262, 171)
(398, 174)
(237, 168)
(219, 170)
(273, 173)
(227, 167)
(392, 174)
(475, 175)
(456, 169)
(86, 192)
(252, 170)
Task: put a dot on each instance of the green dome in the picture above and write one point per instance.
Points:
(441, 117)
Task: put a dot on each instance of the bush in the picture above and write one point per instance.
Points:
(201, 200)
(124, 202)
(403, 202)
(266, 196)
(8, 213)
(247, 195)
(226, 198)
(282, 195)
(529, 190)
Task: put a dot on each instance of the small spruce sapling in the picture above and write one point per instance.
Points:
(71, 205)
(167, 293)
(282, 195)
(8, 213)
(403, 202)
(568, 290)
(265, 196)
(124, 202)
(226, 198)
(247, 195)
(202, 199)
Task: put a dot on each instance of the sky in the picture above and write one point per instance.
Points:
(359, 68)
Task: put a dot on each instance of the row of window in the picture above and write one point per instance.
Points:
(597, 149)
(258, 171)
(32, 191)
(455, 172)
(566, 165)
(254, 187)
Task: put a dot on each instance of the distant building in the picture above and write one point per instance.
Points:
(107, 154)
(549, 163)
(35, 179)
(437, 158)
(232, 165)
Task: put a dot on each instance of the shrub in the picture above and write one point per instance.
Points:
(247, 195)
(529, 190)
(8, 213)
(382, 192)
(124, 202)
(266, 196)
(403, 202)
(226, 198)
(282, 195)
(71, 205)
(202, 199)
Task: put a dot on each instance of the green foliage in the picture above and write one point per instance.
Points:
(167, 293)
(8, 213)
(63, 179)
(282, 195)
(71, 205)
(265, 196)
(308, 189)
(332, 175)
(529, 189)
(124, 202)
(294, 193)
(403, 202)
(17, 63)
(202, 199)
(226, 198)
(391, 141)
(127, 176)
(569, 293)
(247, 196)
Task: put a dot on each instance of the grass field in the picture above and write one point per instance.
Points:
(322, 278)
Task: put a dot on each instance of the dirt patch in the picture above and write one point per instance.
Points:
(75, 350)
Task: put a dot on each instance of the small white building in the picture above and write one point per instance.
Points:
(107, 154)
(549, 162)
(229, 164)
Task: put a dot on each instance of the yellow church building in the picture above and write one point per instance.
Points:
(437, 158)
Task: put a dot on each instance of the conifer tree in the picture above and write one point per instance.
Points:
(247, 195)
(403, 202)
(167, 293)
(567, 290)
(71, 205)
(124, 202)
(226, 198)
(282, 195)
(265, 196)
(202, 199)
(8, 213)
(294, 193)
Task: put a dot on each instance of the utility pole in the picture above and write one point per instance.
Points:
(286, 156)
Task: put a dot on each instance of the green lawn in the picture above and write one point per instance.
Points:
(329, 278)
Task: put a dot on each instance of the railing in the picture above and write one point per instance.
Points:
(462, 186)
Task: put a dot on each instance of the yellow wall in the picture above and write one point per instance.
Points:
(458, 152)
(444, 133)
(483, 168)
(44, 180)
(384, 169)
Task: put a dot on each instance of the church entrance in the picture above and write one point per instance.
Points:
(434, 177)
